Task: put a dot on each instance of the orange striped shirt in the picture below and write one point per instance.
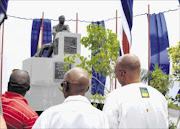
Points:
(16, 111)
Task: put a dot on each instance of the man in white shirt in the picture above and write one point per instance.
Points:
(178, 125)
(76, 111)
(135, 105)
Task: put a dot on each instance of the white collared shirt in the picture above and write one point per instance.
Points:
(132, 107)
(178, 126)
(74, 112)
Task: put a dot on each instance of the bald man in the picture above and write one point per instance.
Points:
(76, 111)
(135, 105)
(16, 111)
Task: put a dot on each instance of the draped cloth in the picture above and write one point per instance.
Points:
(159, 42)
(35, 34)
(97, 81)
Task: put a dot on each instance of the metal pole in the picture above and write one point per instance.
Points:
(149, 42)
(116, 37)
(76, 22)
(42, 25)
(2, 45)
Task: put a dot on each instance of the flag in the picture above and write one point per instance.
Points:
(126, 8)
(3, 9)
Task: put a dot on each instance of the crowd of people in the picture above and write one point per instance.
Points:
(134, 105)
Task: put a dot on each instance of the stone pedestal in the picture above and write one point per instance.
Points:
(46, 74)
(66, 43)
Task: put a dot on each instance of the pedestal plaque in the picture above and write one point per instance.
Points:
(70, 45)
(58, 70)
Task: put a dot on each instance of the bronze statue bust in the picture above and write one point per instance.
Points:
(60, 27)
(50, 46)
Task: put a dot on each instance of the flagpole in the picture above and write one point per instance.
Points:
(76, 22)
(2, 45)
(149, 41)
(42, 25)
(116, 37)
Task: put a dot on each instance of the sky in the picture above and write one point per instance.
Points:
(17, 36)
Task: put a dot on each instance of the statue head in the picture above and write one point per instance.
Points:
(61, 19)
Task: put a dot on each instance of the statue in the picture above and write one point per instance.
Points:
(50, 46)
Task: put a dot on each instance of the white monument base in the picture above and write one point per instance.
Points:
(46, 74)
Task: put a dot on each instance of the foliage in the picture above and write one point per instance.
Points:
(171, 102)
(173, 106)
(172, 125)
(98, 101)
(145, 75)
(97, 96)
(174, 53)
(160, 80)
(105, 50)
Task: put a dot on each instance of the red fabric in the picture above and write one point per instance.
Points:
(17, 112)
(125, 43)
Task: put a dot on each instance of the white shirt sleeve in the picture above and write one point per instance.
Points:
(42, 122)
(111, 110)
(178, 126)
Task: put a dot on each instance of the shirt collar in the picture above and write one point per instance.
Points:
(76, 98)
(12, 95)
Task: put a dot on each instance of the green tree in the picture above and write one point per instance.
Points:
(157, 78)
(105, 50)
(160, 80)
(174, 53)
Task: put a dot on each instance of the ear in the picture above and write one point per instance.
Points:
(66, 88)
(87, 89)
(8, 86)
(28, 87)
(121, 73)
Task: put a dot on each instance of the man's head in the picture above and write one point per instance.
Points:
(76, 82)
(61, 19)
(19, 82)
(127, 69)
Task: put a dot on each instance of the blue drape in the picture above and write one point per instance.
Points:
(97, 87)
(3, 9)
(159, 42)
(5, 5)
(47, 36)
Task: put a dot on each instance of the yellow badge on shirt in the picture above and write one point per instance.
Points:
(144, 92)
